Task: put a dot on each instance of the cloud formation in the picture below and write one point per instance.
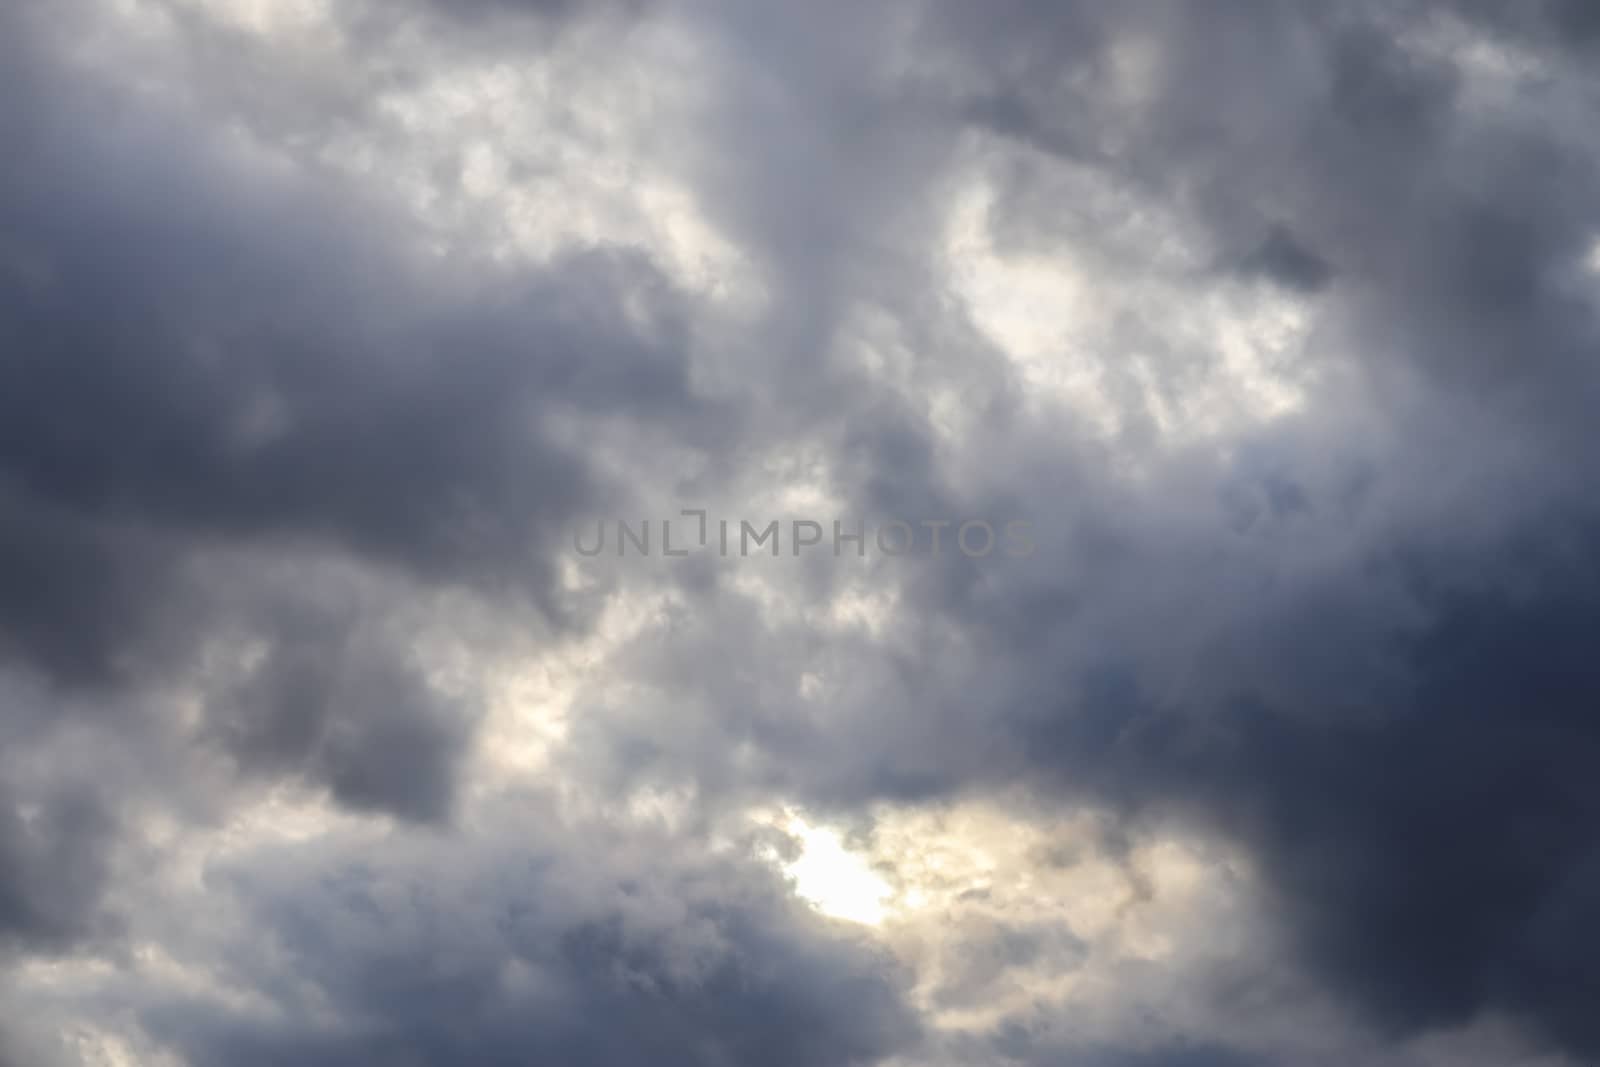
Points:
(322, 325)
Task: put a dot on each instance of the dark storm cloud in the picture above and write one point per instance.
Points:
(1356, 645)
(69, 589)
(202, 350)
(1428, 854)
(202, 359)
(617, 952)
(1018, 1045)
(1412, 776)
(53, 864)
(1567, 25)
(989, 953)
(542, 8)
(348, 712)
(375, 26)
(1285, 260)
(1446, 878)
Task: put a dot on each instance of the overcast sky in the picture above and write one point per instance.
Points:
(1177, 645)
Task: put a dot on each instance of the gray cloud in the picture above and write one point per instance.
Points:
(1378, 687)
(53, 853)
(541, 951)
(1349, 638)
(201, 351)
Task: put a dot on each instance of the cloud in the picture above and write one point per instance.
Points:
(1348, 642)
(1275, 323)
(581, 948)
(210, 350)
(53, 848)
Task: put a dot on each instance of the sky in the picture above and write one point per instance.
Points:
(709, 533)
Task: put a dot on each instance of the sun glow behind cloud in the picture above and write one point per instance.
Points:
(833, 879)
